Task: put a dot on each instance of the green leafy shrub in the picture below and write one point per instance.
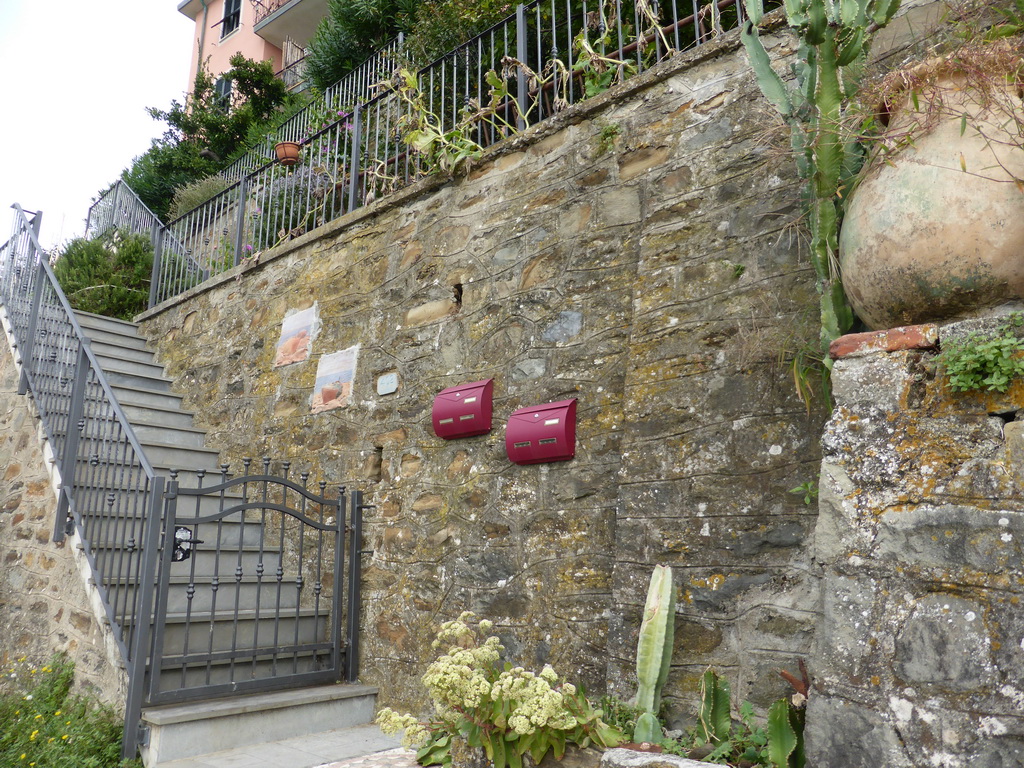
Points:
(986, 362)
(508, 711)
(157, 173)
(349, 33)
(43, 726)
(441, 25)
(109, 275)
(203, 135)
(195, 193)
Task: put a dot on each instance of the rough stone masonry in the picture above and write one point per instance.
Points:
(921, 639)
(637, 253)
(44, 607)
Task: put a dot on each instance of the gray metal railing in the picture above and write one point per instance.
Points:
(549, 54)
(120, 208)
(109, 492)
(263, 533)
(336, 103)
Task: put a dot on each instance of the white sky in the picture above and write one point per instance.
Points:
(78, 80)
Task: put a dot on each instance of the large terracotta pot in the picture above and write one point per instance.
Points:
(924, 239)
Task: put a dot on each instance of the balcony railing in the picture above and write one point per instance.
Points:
(264, 8)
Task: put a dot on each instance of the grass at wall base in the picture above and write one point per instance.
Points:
(42, 725)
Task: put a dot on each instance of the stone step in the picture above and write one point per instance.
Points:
(360, 746)
(108, 324)
(171, 418)
(247, 590)
(129, 395)
(163, 455)
(186, 730)
(144, 375)
(185, 437)
(221, 631)
(120, 351)
(110, 330)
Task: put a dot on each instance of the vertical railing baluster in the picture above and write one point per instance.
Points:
(521, 55)
(69, 462)
(354, 167)
(28, 345)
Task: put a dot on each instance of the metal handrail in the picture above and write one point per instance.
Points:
(355, 87)
(55, 353)
(127, 525)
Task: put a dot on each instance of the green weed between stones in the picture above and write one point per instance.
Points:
(43, 726)
(984, 362)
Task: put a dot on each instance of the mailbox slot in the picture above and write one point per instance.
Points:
(463, 411)
(542, 433)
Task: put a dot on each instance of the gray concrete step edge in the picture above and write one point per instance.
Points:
(113, 337)
(187, 730)
(91, 320)
(111, 363)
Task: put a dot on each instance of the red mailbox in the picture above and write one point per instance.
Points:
(542, 433)
(463, 411)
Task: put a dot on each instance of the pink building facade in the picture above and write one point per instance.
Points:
(265, 30)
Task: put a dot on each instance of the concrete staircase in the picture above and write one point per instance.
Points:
(182, 734)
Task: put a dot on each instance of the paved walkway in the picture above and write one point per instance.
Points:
(363, 746)
(391, 758)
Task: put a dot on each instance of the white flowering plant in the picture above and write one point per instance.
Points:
(507, 711)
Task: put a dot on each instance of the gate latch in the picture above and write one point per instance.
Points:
(184, 543)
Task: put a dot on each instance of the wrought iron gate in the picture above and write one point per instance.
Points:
(250, 582)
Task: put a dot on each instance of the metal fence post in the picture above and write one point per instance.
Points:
(113, 207)
(158, 248)
(243, 191)
(140, 650)
(521, 54)
(355, 573)
(33, 317)
(353, 168)
(69, 460)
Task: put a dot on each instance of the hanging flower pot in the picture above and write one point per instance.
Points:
(287, 152)
(935, 227)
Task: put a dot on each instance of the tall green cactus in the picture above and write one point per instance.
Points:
(835, 37)
(654, 652)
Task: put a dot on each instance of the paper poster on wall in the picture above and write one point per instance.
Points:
(334, 377)
(297, 333)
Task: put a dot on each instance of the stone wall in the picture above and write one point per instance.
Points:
(44, 606)
(921, 638)
(637, 253)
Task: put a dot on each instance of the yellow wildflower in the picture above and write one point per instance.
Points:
(33, 736)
